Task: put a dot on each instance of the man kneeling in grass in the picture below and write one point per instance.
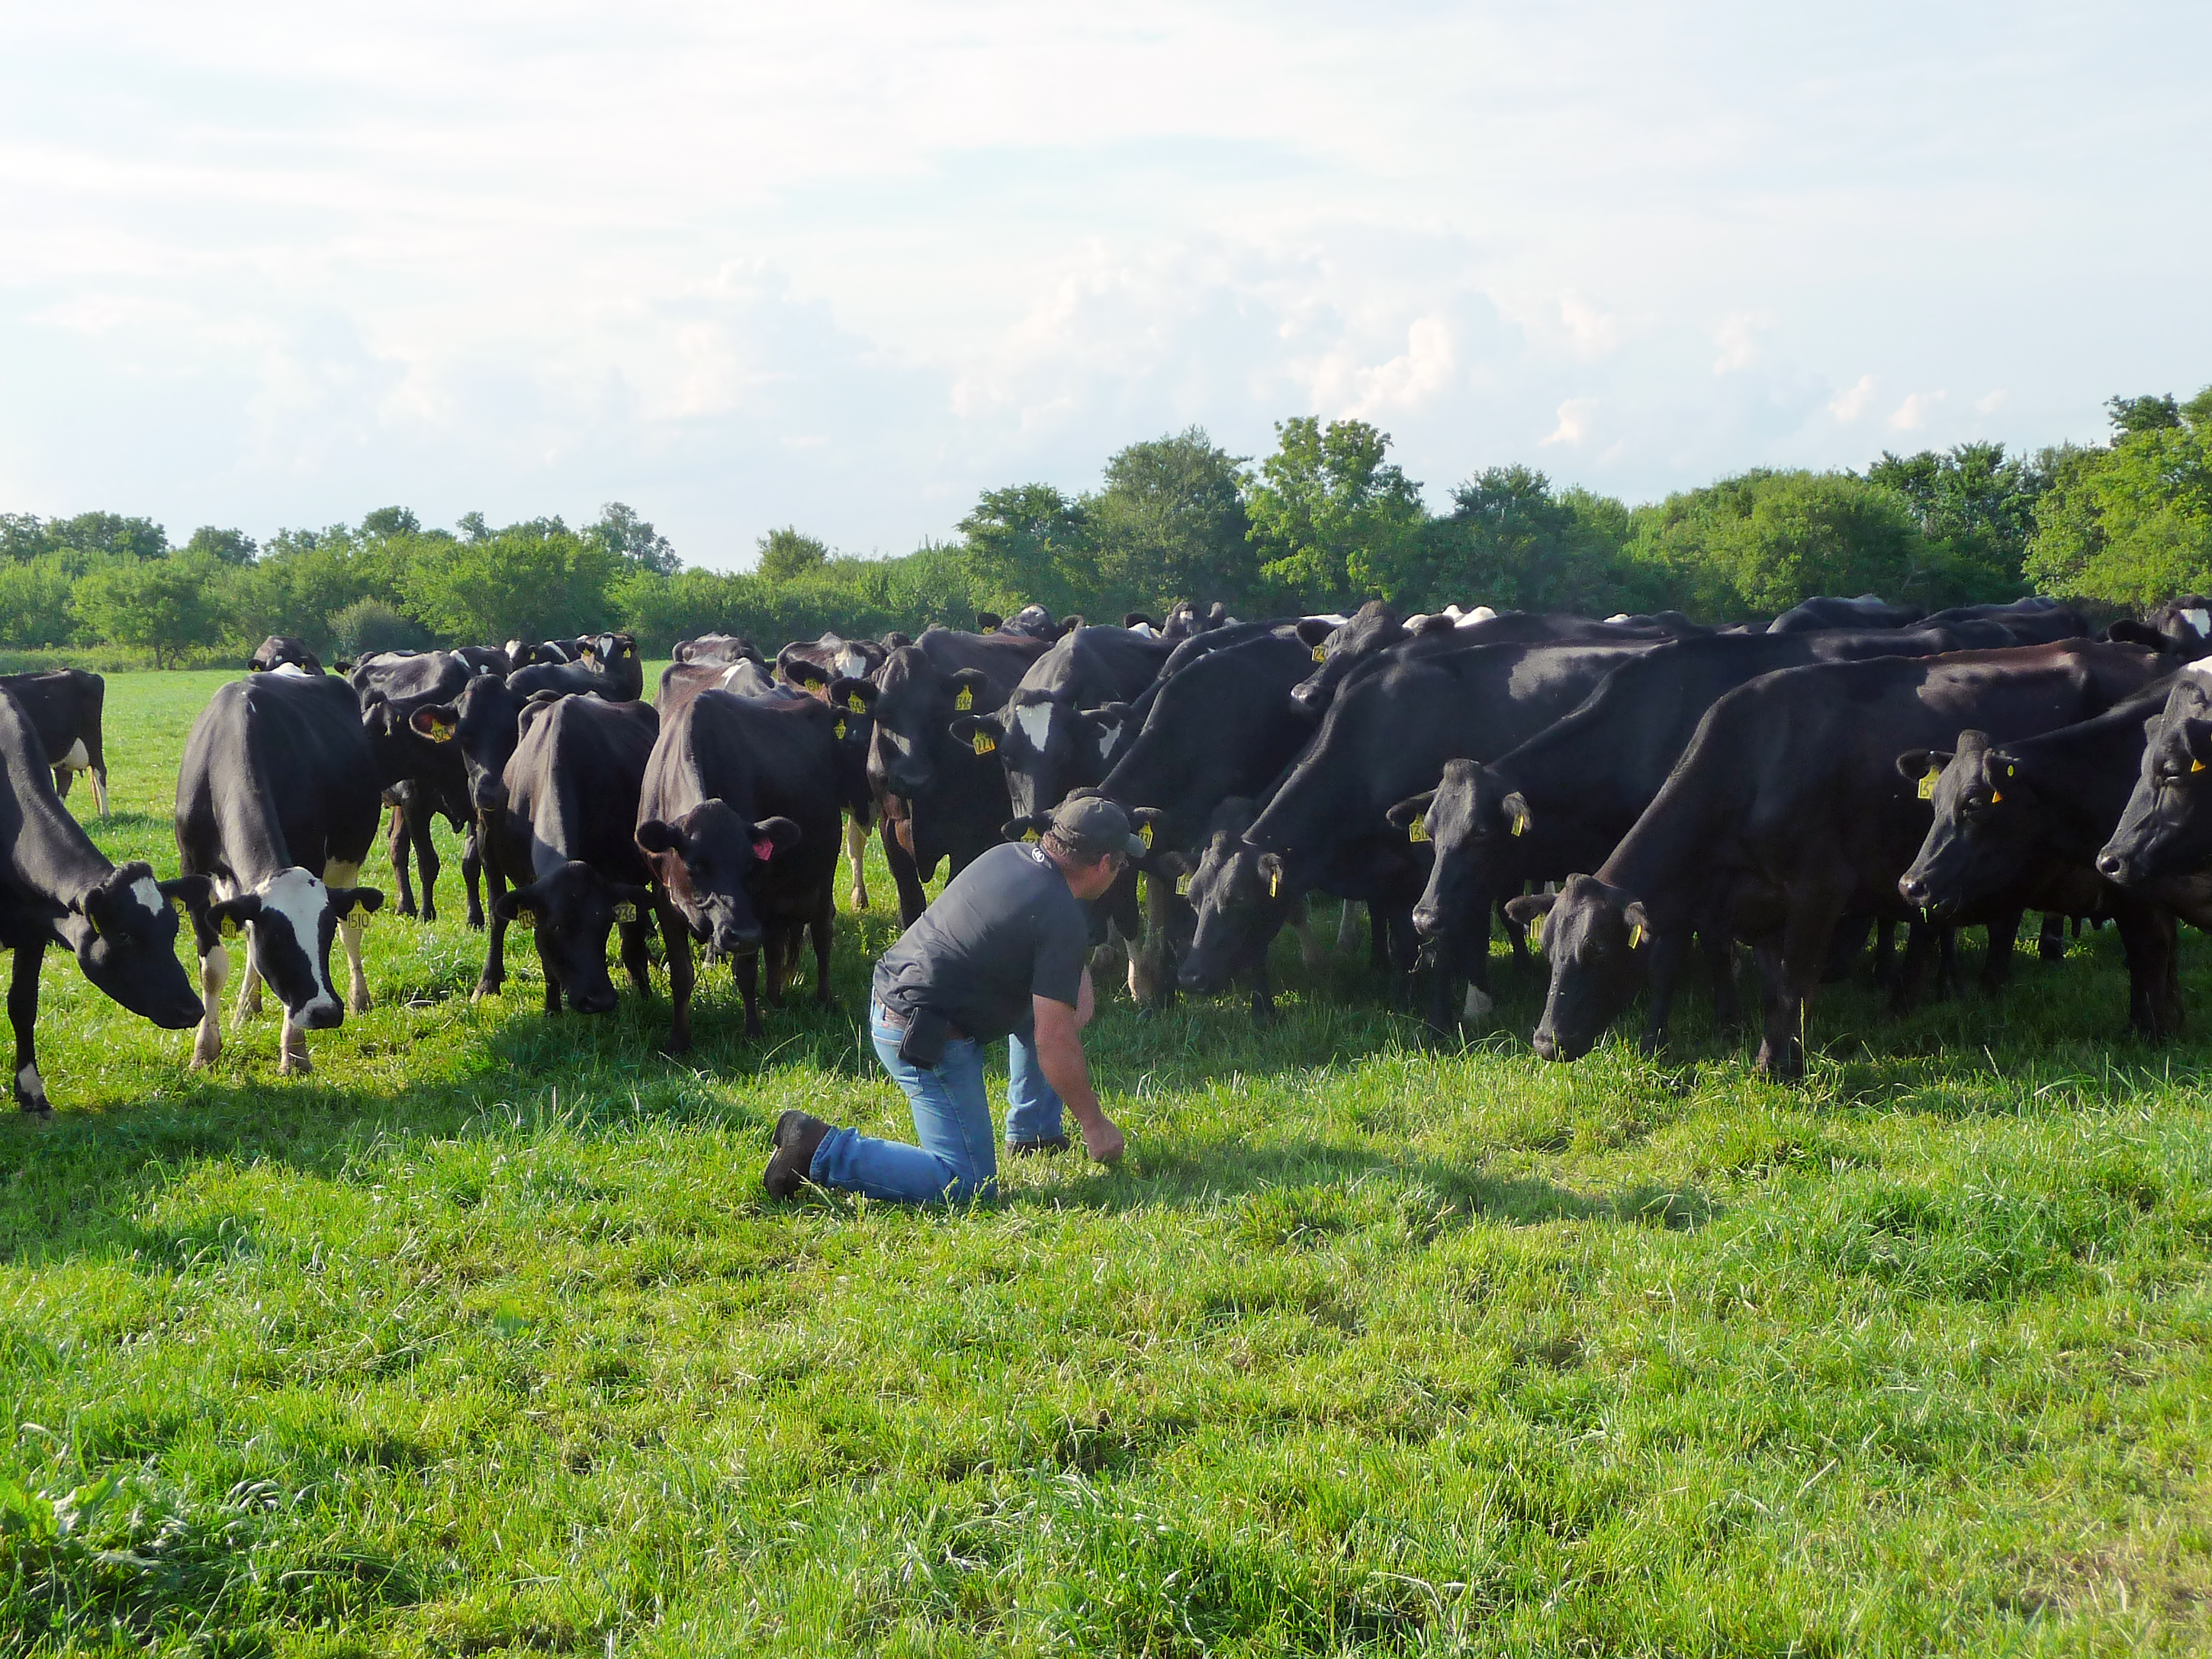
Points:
(999, 954)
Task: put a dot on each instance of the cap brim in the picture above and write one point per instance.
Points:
(1138, 848)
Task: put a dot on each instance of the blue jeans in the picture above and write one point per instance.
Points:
(957, 1160)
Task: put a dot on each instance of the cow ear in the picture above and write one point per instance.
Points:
(855, 696)
(1411, 807)
(782, 833)
(1529, 908)
(988, 622)
(1174, 863)
(1639, 922)
(192, 892)
(1514, 809)
(437, 723)
(509, 905)
(235, 913)
(1271, 873)
(367, 900)
(655, 838)
(376, 712)
(1069, 624)
(1028, 828)
(969, 687)
(1914, 764)
(1312, 630)
(2196, 737)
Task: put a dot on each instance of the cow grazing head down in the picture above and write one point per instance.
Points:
(124, 935)
(1598, 939)
(1340, 647)
(1241, 897)
(291, 919)
(705, 861)
(1471, 820)
(2167, 829)
(572, 909)
(1983, 837)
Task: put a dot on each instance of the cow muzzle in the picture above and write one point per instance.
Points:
(2114, 868)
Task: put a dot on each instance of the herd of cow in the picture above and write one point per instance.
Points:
(1616, 789)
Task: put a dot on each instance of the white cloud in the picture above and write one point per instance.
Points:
(1851, 404)
(1737, 338)
(1912, 413)
(1574, 420)
(1591, 331)
(1990, 402)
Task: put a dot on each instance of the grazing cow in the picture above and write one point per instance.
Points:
(739, 821)
(717, 648)
(278, 803)
(812, 667)
(1787, 809)
(571, 790)
(939, 799)
(278, 650)
(1376, 635)
(64, 705)
(2165, 830)
(430, 785)
(2022, 825)
(1561, 802)
(56, 888)
(1387, 732)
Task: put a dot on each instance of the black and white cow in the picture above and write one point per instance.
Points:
(811, 665)
(430, 783)
(278, 803)
(56, 888)
(721, 649)
(1051, 734)
(1031, 621)
(607, 666)
(738, 819)
(66, 705)
(278, 650)
(1786, 805)
(565, 838)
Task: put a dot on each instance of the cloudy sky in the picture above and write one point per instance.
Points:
(845, 264)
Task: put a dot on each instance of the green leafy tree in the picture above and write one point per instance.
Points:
(391, 521)
(622, 533)
(1335, 521)
(23, 537)
(227, 546)
(35, 608)
(1976, 506)
(167, 607)
(784, 554)
(94, 533)
(2131, 524)
(1758, 543)
(1510, 541)
(1170, 524)
(1029, 544)
(536, 580)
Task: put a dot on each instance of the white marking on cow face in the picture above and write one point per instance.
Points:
(2201, 667)
(1143, 630)
(1617, 617)
(851, 664)
(1106, 736)
(1482, 613)
(2198, 619)
(1035, 721)
(149, 895)
(291, 670)
(302, 901)
(76, 760)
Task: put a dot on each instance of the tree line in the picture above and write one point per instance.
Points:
(1324, 522)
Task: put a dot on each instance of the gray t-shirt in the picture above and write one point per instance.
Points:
(1005, 929)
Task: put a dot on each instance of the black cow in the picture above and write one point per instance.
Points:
(66, 705)
(607, 667)
(747, 676)
(718, 648)
(1388, 731)
(392, 686)
(1561, 802)
(738, 820)
(2022, 824)
(2165, 830)
(278, 650)
(56, 888)
(1867, 611)
(2182, 626)
(1045, 740)
(939, 799)
(1787, 809)
(546, 653)
(571, 811)
(278, 803)
(811, 665)
(1031, 621)
(2035, 620)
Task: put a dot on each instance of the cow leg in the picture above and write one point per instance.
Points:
(1997, 963)
(676, 937)
(292, 1049)
(1152, 964)
(1378, 939)
(63, 776)
(337, 873)
(1347, 927)
(1718, 940)
(1263, 996)
(913, 900)
(1884, 952)
(2148, 934)
(856, 856)
(472, 868)
(545, 967)
(1516, 936)
(744, 969)
(1663, 975)
(402, 833)
(214, 968)
(249, 987)
(1923, 944)
(23, 1015)
(426, 860)
(1811, 919)
(823, 928)
(637, 961)
(99, 788)
(2050, 943)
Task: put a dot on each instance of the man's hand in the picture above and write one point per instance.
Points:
(1103, 1140)
(1059, 1042)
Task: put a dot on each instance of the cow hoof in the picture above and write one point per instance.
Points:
(484, 988)
(38, 1111)
(428, 916)
(357, 1004)
(293, 1065)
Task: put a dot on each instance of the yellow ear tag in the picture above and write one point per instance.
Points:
(1520, 823)
(1030, 834)
(228, 928)
(1996, 795)
(178, 905)
(625, 913)
(965, 701)
(1928, 783)
(2196, 766)
(1320, 653)
(1636, 936)
(1418, 829)
(526, 919)
(441, 732)
(1535, 929)
(983, 744)
(1275, 884)
(839, 728)
(856, 703)
(1145, 835)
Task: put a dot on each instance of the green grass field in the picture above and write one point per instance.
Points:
(482, 1339)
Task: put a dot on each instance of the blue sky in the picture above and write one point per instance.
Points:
(845, 265)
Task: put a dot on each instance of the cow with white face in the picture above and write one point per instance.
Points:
(280, 781)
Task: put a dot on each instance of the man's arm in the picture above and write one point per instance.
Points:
(1058, 1043)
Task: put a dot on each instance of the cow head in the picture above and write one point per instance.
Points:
(1597, 938)
(1240, 894)
(2167, 829)
(290, 919)
(484, 723)
(914, 705)
(1046, 746)
(704, 860)
(1472, 825)
(572, 909)
(1339, 648)
(1983, 834)
(123, 932)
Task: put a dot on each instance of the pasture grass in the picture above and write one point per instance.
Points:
(483, 1339)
